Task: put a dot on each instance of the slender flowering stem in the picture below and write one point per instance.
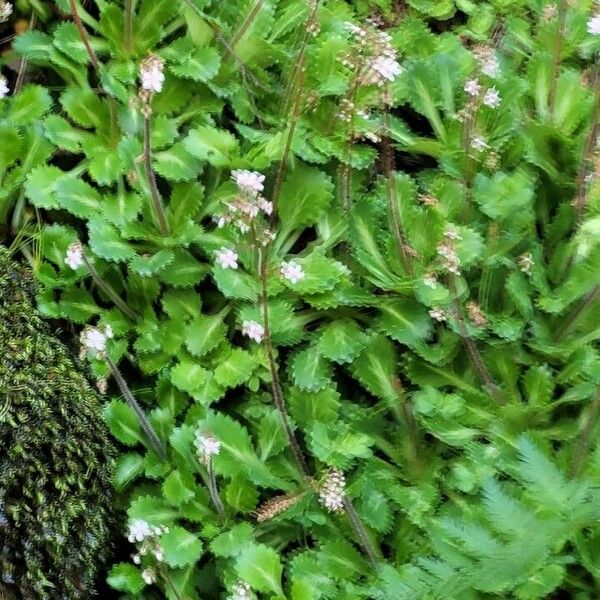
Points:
(157, 203)
(366, 541)
(145, 424)
(237, 36)
(275, 382)
(585, 438)
(214, 490)
(558, 48)
(84, 36)
(23, 61)
(108, 290)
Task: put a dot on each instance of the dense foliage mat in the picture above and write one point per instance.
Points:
(55, 456)
(336, 265)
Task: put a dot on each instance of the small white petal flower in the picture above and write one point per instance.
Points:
(479, 144)
(250, 182)
(292, 271)
(452, 233)
(430, 281)
(265, 206)
(108, 332)
(472, 87)
(331, 492)
(93, 341)
(6, 9)
(207, 445)
(149, 576)
(227, 258)
(3, 87)
(255, 331)
(74, 257)
(492, 98)
(137, 559)
(241, 591)
(372, 137)
(438, 314)
(139, 530)
(490, 65)
(151, 73)
(526, 262)
(593, 25)
(387, 67)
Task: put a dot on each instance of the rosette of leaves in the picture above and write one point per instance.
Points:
(55, 489)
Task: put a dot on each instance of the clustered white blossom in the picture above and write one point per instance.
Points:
(151, 74)
(207, 446)
(149, 575)
(6, 9)
(450, 260)
(248, 204)
(74, 257)
(331, 491)
(488, 61)
(438, 314)
(479, 144)
(526, 262)
(430, 280)
(374, 59)
(227, 258)
(241, 591)
(472, 87)
(93, 341)
(147, 539)
(593, 24)
(255, 331)
(492, 98)
(292, 271)
(3, 86)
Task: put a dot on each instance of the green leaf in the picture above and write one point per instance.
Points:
(202, 65)
(105, 241)
(375, 368)
(259, 566)
(125, 578)
(310, 370)
(121, 208)
(204, 333)
(236, 368)
(231, 542)
(41, 186)
(149, 265)
(235, 283)
(405, 321)
(122, 422)
(176, 490)
(181, 548)
(155, 511)
(128, 467)
(341, 340)
(62, 134)
(84, 107)
(305, 194)
(32, 102)
(177, 164)
(214, 145)
(78, 197)
(105, 165)
(184, 270)
(78, 305)
(68, 41)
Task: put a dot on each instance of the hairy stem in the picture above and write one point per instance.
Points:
(84, 36)
(214, 490)
(275, 381)
(128, 33)
(145, 424)
(237, 36)
(585, 438)
(157, 204)
(558, 48)
(109, 291)
(366, 541)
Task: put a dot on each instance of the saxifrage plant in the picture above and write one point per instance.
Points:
(348, 257)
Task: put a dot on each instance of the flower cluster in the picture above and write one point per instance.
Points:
(151, 74)
(331, 491)
(438, 314)
(526, 262)
(93, 341)
(593, 24)
(374, 59)
(74, 257)
(226, 258)
(446, 250)
(207, 446)
(6, 9)
(3, 86)
(476, 314)
(488, 61)
(147, 539)
(241, 591)
(275, 506)
(292, 271)
(255, 331)
(248, 204)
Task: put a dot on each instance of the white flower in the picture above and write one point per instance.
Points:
(489, 64)
(593, 25)
(227, 258)
(372, 137)
(241, 591)
(108, 332)
(149, 576)
(139, 530)
(430, 281)
(250, 182)
(74, 257)
(492, 98)
(452, 233)
(207, 445)
(438, 314)
(151, 73)
(94, 340)
(331, 492)
(479, 144)
(265, 206)
(526, 262)
(3, 86)
(255, 331)
(292, 271)
(387, 67)
(6, 10)
(472, 87)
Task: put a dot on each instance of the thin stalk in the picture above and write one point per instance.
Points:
(585, 438)
(157, 204)
(472, 350)
(366, 541)
(109, 291)
(23, 61)
(275, 381)
(165, 575)
(128, 33)
(153, 439)
(214, 490)
(576, 314)
(558, 48)
(84, 36)
(237, 36)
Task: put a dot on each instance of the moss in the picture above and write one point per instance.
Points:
(55, 456)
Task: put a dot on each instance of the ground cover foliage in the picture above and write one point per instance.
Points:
(337, 264)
